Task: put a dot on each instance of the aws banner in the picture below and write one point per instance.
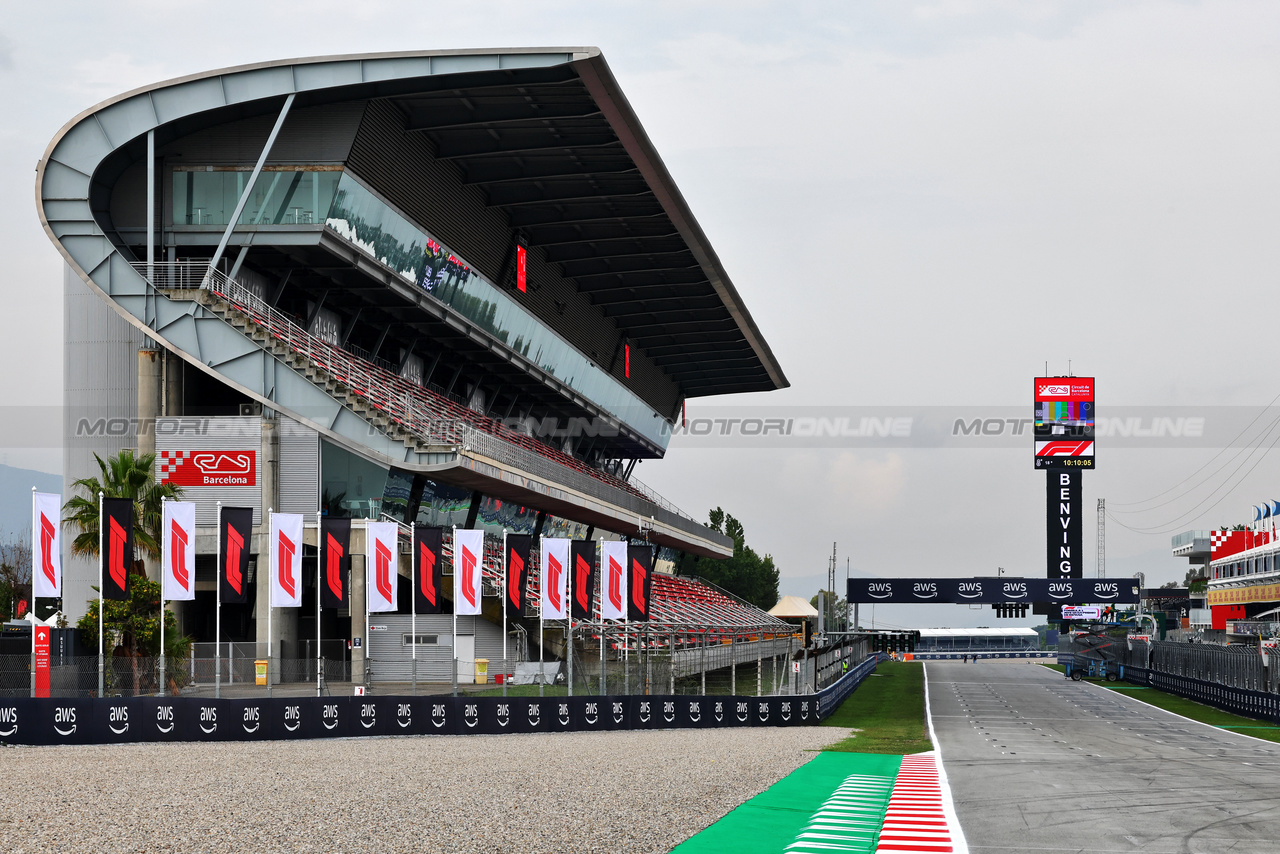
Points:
(235, 533)
(429, 574)
(1064, 591)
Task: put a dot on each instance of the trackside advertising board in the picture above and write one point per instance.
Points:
(1065, 591)
(1064, 423)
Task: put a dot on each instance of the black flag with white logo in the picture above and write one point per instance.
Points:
(582, 554)
(335, 562)
(117, 547)
(518, 548)
(429, 580)
(639, 581)
(235, 538)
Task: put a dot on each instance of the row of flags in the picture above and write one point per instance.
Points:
(567, 581)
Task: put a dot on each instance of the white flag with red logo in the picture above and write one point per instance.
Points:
(46, 545)
(286, 560)
(468, 564)
(178, 551)
(382, 566)
(553, 578)
(613, 580)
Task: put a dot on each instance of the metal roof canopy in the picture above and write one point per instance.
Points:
(558, 149)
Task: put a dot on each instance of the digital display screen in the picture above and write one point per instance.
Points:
(1064, 422)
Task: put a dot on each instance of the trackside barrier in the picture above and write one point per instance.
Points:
(146, 719)
(830, 698)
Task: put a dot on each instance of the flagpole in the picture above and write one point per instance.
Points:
(319, 573)
(35, 535)
(455, 610)
(217, 618)
(414, 582)
(102, 614)
(542, 601)
(163, 531)
(367, 646)
(271, 569)
(506, 582)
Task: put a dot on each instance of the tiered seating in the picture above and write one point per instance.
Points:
(414, 407)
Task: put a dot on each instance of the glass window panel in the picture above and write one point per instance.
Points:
(358, 215)
(350, 486)
(283, 195)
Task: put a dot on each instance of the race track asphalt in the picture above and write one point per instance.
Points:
(1038, 763)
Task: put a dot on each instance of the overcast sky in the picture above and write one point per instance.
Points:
(920, 203)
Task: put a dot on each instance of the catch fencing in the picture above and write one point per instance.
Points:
(1233, 678)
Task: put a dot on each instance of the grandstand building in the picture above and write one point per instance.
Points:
(448, 288)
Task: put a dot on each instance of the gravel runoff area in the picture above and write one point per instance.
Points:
(627, 792)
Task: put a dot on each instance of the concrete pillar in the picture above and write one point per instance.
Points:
(358, 654)
(171, 405)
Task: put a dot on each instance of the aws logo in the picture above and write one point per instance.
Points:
(695, 712)
(438, 715)
(534, 713)
(645, 711)
(164, 719)
(1106, 589)
(368, 715)
(619, 713)
(879, 590)
(1061, 590)
(292, 718)
(8, 721)
(786, 710)
(404, 715)
(719, 712)
(252, 719)
(924, 590)
(1014, 589)
(591, 713)
(329, 716)
(804, 710)
(970, 589)
(763, 712)
(669, 712)
(743, 712)
(64, 720)
(471, 714)
(562, 714)
(504, 714)
(118, 719)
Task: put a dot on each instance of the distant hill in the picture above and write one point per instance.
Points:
(15, 497)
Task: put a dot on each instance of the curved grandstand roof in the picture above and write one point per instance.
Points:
(548, 138)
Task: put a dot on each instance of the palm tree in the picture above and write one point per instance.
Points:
(123, 476)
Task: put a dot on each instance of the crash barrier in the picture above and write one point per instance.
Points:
(956, 656)
(146, 719)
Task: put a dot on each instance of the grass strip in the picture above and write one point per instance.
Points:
(1204, 714)
(887, 710)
